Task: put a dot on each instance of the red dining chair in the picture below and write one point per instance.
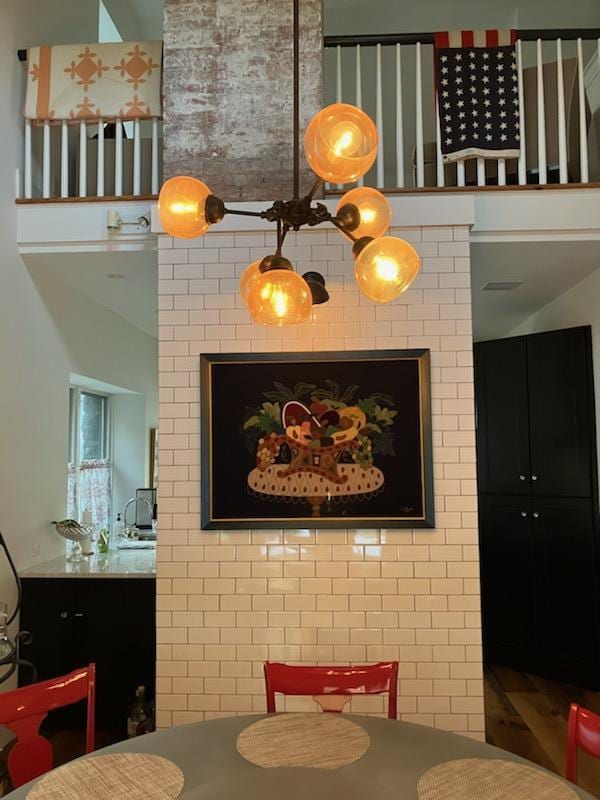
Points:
(583, 731)
(23, 710)
(332, 687)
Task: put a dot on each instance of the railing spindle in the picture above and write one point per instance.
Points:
(399, 122)
(522, 140)
(118, 158)
(379, 122)
(64, 159)
(154, 185)
(82, 159)
(460, 172)
(562, 125)
(46, 160)
(541, 117)
(583, 142)
(100, 160)
(501, 172)
(480, 171)
(358, 82)
(137, 178)
(28, 159)
(438, 145)
(419, 118)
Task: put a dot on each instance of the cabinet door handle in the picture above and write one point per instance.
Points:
(521, 477)
(79, 613)
(523, 513)
(534, 477)
(536, 514)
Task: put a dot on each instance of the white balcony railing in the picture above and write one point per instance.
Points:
(82, 159)
(392, 78)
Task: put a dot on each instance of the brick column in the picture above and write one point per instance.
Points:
(228, 92)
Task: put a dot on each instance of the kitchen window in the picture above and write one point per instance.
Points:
(89, 465)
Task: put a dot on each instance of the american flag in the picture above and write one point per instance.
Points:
(478, 94)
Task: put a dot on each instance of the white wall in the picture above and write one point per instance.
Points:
(47, 331)
(579, 306)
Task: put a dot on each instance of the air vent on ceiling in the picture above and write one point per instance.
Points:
(500, 286)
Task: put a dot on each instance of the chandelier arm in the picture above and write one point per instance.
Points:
(314, 189)
(296, 121)
(335, 221)
(241, 213)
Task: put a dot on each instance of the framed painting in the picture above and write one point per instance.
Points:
(316, 440)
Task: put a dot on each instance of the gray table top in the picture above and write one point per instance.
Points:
(398, 755)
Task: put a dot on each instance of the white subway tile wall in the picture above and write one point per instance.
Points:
(228, 600)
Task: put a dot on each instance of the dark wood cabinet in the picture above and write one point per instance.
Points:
(538, 504)
(561, 411)
(535, 414)
(110, 621)
(508, 578)
(502, 407)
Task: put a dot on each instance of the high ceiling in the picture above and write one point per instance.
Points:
(133, 296)
(546, 269)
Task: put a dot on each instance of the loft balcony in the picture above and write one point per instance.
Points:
(391, 76)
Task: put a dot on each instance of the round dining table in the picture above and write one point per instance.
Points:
(395, 763)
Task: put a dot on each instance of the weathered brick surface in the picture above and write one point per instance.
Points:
(228, 92)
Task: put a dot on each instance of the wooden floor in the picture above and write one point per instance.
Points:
(527, 715)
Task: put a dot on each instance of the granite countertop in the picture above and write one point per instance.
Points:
(115, 564)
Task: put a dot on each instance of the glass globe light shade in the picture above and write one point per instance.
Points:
(385, 268)
(341, 143)
(182, 207)
(249, 276)
(280, 297)
(374, 209)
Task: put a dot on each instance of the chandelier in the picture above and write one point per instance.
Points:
(340, 144)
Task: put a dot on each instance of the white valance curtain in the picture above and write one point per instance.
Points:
(89, 487)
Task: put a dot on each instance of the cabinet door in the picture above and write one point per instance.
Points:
(567, 590)
(561, 412)
(115, 623)
(502, 416)
(507, 580)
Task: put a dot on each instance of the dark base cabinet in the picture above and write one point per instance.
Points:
(539, 587)
(109, 621)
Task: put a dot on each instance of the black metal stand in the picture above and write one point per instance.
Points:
(12, 659)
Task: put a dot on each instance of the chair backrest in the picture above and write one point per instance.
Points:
(326, 683)
(23, 710)
(583, 731)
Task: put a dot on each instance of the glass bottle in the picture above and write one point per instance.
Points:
(137, 717)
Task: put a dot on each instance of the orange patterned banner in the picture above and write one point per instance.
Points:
(94, 81)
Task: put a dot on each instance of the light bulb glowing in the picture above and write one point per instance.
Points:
(385, 268)
(182, 207)
(341, 143)
(280, 297)
(373, 208)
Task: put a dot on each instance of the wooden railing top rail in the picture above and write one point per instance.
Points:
(525, 35)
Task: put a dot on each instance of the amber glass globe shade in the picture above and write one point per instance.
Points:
(374, 209)
(182, 207)
(385, 268)
(341, 143)
(280, 297)
(249, 276)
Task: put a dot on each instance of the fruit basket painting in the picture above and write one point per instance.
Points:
(316, 440)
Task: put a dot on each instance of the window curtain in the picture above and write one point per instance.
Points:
(89, 487)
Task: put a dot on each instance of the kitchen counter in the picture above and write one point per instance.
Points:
(115, 564)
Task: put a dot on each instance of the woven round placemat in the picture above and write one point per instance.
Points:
(115, 776)
(490, 779)
(319, 741)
